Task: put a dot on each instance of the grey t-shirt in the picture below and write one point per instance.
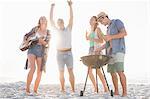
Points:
(63, 38)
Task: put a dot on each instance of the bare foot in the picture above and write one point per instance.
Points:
(63, 91)
(95, 90)
(27, 91)
(36, 93)
(124, 95)
(106, 90)
(116, 93)
(72, 90)
(29, 94)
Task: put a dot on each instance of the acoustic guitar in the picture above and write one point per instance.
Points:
(27, 42)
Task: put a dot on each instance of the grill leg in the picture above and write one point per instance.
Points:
(111, 91)
(82, 92)
(96, 81)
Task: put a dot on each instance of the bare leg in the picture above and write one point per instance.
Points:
(101, 76)
(31, 60)
(39, 73)
(115, 83)
(123, 83)
(71, 78)
(92, 78)
(62, 80)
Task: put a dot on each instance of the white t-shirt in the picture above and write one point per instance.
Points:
(63, 38)
(39, 36)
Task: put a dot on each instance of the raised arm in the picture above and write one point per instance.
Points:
(71, 15)
(51, 15)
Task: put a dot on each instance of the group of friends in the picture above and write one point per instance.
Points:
(113, 42)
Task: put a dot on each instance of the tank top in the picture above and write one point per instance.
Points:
(94, 35)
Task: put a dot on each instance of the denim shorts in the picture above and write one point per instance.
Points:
(64, 58)
(36, 50)
(91, 50)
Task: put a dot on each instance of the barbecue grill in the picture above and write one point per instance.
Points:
(96, 62)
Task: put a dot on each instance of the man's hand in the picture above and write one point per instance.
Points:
(69, 2)
(107, 37)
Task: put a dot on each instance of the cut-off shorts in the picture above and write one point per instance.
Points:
(36, 50)
(64, 58)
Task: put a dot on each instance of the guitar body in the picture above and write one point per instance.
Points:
(27, 43)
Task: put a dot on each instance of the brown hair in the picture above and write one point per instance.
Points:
(96, 23)
(39, 20)
(39, 23)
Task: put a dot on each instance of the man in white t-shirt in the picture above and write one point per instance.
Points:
(64, 53)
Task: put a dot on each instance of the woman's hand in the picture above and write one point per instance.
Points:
(98, 49)
(41, 41)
